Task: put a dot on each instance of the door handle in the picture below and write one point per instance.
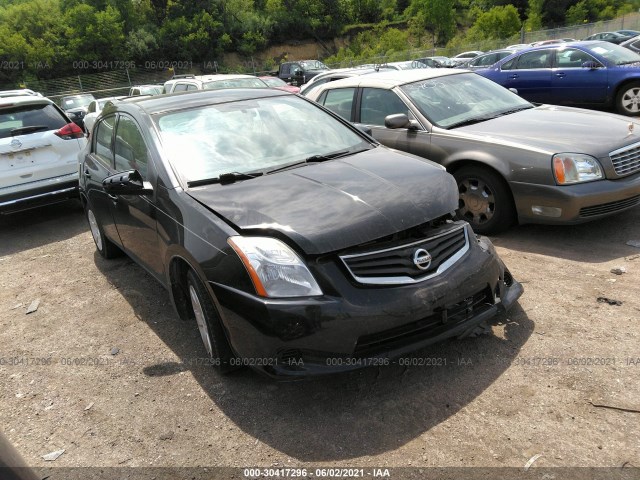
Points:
(561, 74)
(113, 198)
(514, 76)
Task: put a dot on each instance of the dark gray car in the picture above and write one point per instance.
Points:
(512, 160)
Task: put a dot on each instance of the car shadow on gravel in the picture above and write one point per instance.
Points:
(41, 226)
(338, 417)
(594, 242)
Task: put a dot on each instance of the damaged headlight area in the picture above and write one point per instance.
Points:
(275, 269)
(570, 168)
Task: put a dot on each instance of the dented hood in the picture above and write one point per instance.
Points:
(338, 203)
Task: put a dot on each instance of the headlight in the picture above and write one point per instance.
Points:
(275, 269)
(575, 168)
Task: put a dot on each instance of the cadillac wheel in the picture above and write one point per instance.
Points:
(485, 201)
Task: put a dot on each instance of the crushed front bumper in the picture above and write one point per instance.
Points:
(357, 326)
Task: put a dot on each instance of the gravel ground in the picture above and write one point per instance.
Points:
(106, 371)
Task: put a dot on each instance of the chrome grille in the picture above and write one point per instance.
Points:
(626, 160)
(396, 266)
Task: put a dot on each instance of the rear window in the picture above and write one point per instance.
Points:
(14, 119)
(235, 83)
(74, 102)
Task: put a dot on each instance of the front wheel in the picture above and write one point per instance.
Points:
(628, 99)
(209, 325)
(484, 200)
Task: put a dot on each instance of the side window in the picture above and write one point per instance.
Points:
(488, 60)
(340, 101)
(573, 58)
(191, 87)
(533, 60)
(130, 150)
(103, 138)
(377, 103)
(180, 87)
(285, 69)
(509, 65)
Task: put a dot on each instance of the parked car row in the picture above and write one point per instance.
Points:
(319, 249)
(475, 59)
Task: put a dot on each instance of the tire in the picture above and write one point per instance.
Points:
(484, 200)
(209, 325)
(105, 247)
(628, 99)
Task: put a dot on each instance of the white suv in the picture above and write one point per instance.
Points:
(187, 83)
(39, 148)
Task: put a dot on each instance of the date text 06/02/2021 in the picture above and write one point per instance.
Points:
(337, 472)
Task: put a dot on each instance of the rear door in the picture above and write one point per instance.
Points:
(30, 151)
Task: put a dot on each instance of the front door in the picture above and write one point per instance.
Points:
(135, 215)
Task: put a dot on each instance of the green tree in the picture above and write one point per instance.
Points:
(193, 39)
(578, 13)
(436, 16)
(140, 44)
(499, 22)
(93, 35)
(32, 33)
(534, 15)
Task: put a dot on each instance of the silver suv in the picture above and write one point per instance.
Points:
(39, 148)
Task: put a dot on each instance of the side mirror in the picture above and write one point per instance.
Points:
(591, 65)
(297, 72)
(127, 183)
(400, 120)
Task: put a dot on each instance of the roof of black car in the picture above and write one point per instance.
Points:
(182, 100)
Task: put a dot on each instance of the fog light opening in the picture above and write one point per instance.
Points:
(546, 211)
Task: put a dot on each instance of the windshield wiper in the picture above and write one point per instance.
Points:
(224, 179)
(28, 129)
(510, 111)
(470, 121)
(314, 159)
(484, 118)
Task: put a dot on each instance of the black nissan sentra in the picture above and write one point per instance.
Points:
(298, 244)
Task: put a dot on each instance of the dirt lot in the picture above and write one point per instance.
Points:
(104, 369)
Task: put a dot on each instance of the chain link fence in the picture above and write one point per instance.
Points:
(104, 84)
